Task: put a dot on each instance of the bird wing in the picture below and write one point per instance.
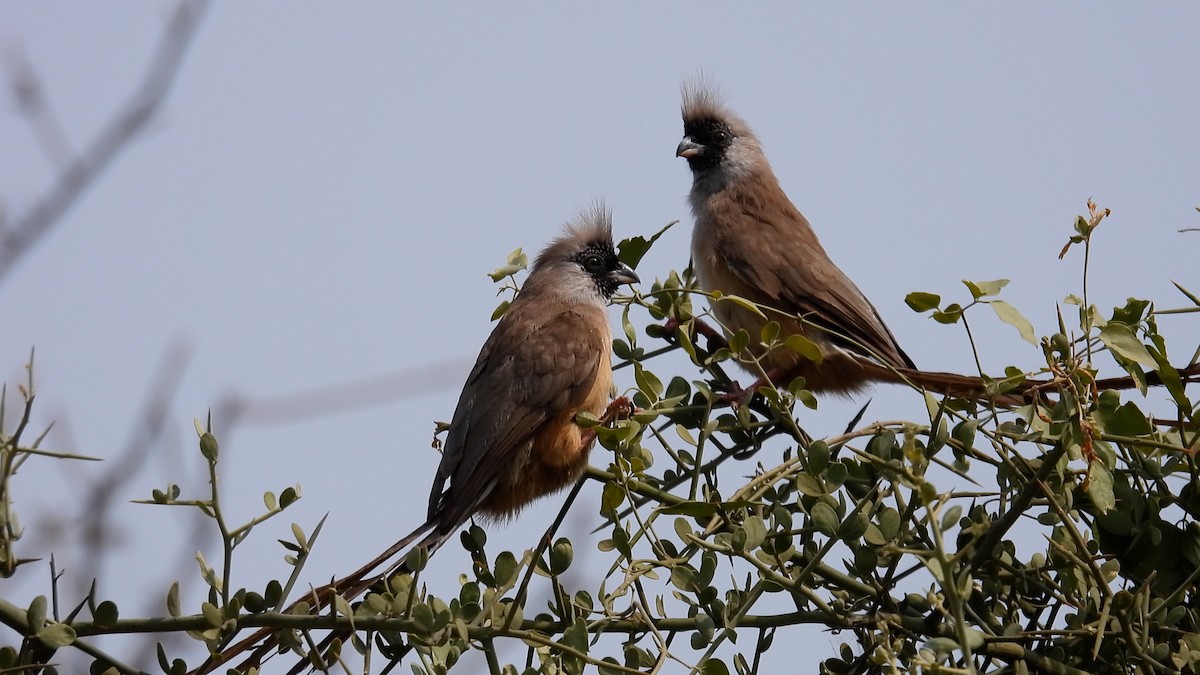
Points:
(531, 369)
(819, 291)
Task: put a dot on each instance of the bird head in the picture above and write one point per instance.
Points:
(715, 140)
(583, 262)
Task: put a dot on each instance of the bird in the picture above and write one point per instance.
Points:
(751, 241)
(513, 437)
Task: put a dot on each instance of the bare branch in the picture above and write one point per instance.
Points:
(34, 106)
(337, 398)
(31, 226)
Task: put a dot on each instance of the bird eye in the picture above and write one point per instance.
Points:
(593, 262)
(722, 138)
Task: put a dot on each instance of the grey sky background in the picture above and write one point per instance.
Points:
(329, 183)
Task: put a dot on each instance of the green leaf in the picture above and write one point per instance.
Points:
(35, 616)
(804, 347)
(981, 289)
(941, 645)
(1170, 377)
(517, 261)
(889, 522)
(1009, 315)
(272, 595)
(685, 435)
(422, 617)
(211, 614)
(208, 446)
(1132, 313)
(743, 303)
(342, 607)
(853, 527)
(417, 559)
(883, 445)
(810, 485)
(683, 528)
(683, 578)
(739, 341)
(678, 388)
(1126, 420)
(1120, 339)
(173, 607)
(935, 568)
(686, 344)
(503, 271)
(964, 433)
(289, 497)
(612, 497)
(561, 555)
(1082, 226)
(56, 635)
(922, 302)
(756, 532)
(825, 519)
(106, 614)
(1100, 487)
(298, 533)
(576, 637)
(628, 328)
(501, 309)
(769, 332)
(207, 573)
(951, 314)
(975, 638)
(647, 382)
(630, 251)
(950, 519)
(818, 457)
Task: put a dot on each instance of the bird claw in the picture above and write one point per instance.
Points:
(733, 393)
(713, 338)
(620, 408)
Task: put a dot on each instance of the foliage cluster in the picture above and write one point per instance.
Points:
(1058, 537)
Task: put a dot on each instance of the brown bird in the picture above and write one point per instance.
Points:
(750, 240)
(513, 437)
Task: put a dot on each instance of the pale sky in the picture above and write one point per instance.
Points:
(329, 183)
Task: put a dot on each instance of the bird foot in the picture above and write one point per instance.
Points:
(713, 337)
(733, 393)
(620, 408)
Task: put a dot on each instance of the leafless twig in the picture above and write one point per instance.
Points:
(237, 409)
(83, 169)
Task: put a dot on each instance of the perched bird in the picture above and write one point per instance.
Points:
(513, 437)
(750, 240)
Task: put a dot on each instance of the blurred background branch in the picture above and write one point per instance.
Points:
(78, 171)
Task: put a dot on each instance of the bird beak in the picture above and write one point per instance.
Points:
(689, 148)
(624, 274)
